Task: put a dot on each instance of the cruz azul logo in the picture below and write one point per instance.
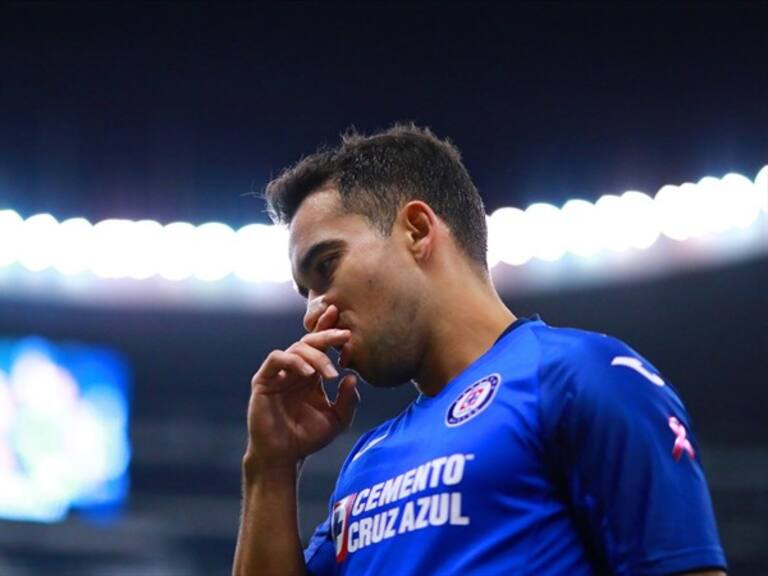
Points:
(472, 401)
(427, 496)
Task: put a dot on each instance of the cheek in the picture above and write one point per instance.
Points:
(354, 291)
(373, 285)
(364, 276)
(395, 302)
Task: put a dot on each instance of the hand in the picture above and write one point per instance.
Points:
(289, 413)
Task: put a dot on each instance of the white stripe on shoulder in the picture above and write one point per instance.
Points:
(370, 445)
(638, 367)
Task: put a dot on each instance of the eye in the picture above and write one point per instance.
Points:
(325, 266)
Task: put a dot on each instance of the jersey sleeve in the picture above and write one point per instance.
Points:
(628, 461)
(320, 554)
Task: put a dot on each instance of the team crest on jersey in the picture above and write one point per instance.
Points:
(472, 401)
(340, 525)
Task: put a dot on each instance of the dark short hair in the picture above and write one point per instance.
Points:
(378, 174)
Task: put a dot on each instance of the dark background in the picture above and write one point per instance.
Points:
(178, 111)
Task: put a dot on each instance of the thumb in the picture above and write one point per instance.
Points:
(347, 400)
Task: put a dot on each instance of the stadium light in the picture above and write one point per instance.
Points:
(256, 253)
(581, 227)
(546, 234)
(176, 256)
(72, 247)
(214, 247)
(144, 261)
(37, 235)
(633, 220)
(508, 237)
(639, 219)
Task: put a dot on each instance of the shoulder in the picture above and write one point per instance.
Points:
(587, 375)
(582, 357)
(571, 346)
(571, 360)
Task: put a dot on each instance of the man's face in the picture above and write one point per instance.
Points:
(372, 280)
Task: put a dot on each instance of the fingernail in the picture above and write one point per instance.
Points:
(308, 370)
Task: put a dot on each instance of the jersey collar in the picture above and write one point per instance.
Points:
(516, 324)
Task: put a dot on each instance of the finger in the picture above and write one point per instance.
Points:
(347, 400)
(327, 338)
(317, 359)
(315, 309)
(327, 319)
(278, 360)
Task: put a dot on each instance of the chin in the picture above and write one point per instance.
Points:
(381, 380)
(379, 373)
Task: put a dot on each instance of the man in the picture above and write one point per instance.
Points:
(530, 450)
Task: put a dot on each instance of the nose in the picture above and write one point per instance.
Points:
(315, 308)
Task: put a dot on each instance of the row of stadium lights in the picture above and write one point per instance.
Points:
(257, 252)
(633, 220)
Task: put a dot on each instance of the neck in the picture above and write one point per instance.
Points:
(468, 319)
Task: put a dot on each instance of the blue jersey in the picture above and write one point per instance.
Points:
(557, 452)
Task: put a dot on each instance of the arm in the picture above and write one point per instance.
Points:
(289, 417)
(268, 542)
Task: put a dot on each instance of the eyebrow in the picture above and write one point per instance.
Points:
(308, 260)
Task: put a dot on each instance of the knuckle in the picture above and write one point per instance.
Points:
(299, 349)
(307, 339)
(274, 354)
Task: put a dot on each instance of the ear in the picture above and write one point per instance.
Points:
(420, 227)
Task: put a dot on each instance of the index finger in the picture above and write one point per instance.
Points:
(326, 338)
(327, 319)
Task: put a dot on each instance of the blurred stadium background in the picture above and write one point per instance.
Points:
(622, 152)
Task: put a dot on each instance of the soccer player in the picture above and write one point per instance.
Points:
(530, 449)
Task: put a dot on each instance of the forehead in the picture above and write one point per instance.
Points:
(318, 211)
(319, 219)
